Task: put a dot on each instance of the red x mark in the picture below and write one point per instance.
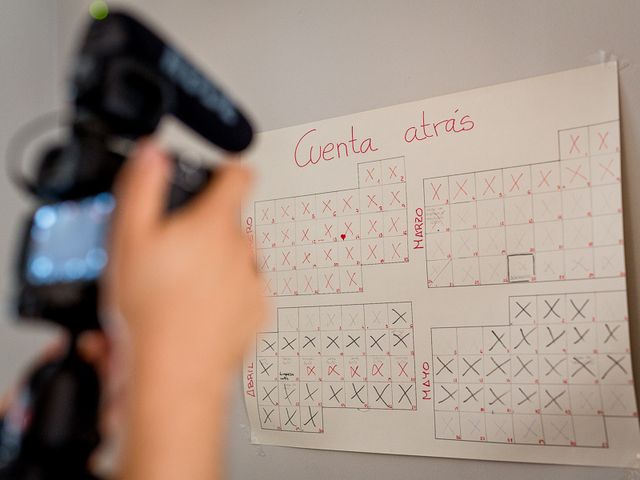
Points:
(516, 182)
(305, 235)
(349, 253)
(285, 235)
(347, 203)
(461, 188)
(354, 371)
(347, 226)
(308, 287)
(372, 199)
(607, 169)
(285, 257)
(285, 210)
(327, 254)
(370, 174)
(403, 370)
(376, 369)
(372, 252)
(265, 214)
(306, 208)
(327, 205)
(267, 286)
(311, 370)
(373, 224)
(436, 194)
(394, 224)
(352, 278)
(393, 172)
(489, 184)
(574, 144)
(395, 197)
(327, 230)
(603, 140)
(307, 258)
(265, 263)
(333, 370)
(266, 238)
(576, 173)
(544, 178)
(287, 284)
(328, 280)
(396, 248)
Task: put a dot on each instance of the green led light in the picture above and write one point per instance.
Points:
(99, 10)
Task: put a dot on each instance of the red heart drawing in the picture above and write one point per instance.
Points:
(343, 236)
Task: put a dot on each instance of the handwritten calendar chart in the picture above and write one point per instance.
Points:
(447, 278)
(549, 221)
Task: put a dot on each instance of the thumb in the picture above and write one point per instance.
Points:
(141, 192)
(225, 194)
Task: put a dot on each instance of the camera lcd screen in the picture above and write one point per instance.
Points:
(67, 241)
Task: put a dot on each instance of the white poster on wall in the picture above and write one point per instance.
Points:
(447, 278)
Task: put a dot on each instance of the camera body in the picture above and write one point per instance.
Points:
(126, 79)
(64, 251)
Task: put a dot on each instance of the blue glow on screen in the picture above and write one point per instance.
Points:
(68, 240)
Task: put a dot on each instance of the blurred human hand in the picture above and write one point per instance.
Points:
(183, 301)
(185, 284)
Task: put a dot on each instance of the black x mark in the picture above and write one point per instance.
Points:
(472, 394)
(552, 308)
(310, 341)
(525, 397)
(449, 394)
(444, 365)
(497, 398)
(401, 339)
(310, 394)
(312, 417)
(375, 342)
(356, 392)
(523, 366)
(583, 365)
(578, 309)
(333, 341)
(498, 340)
(400, 316)
(380, 394)
(471, 366)
(554, 399)
(524, 337)
(615, 363)
(611, 332)
(270, 346)
(523, 310)
(354, 341)
(498, 366)
(335, 393)
(289, 343)
(554, 339)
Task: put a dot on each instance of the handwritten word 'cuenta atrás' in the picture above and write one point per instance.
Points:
(311, 148)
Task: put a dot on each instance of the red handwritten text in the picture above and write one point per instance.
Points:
(250, 383)
(418, 240)
(309, 152)
(426, 382)
(432, 129)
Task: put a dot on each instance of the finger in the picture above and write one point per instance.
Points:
(225, 193)
(93, 347)
(141, 192)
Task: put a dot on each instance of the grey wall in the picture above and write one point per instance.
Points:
(294, 62)
(28, 69)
